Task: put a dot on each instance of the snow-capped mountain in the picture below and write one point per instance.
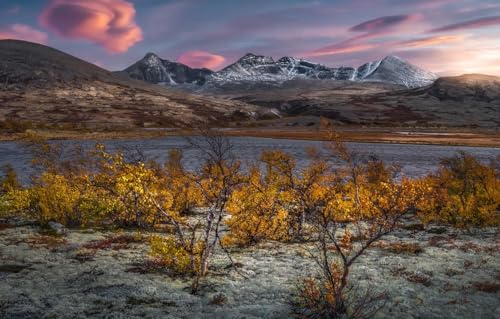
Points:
(257, 68)
(253, 67)
(395, 70)
(153, 69)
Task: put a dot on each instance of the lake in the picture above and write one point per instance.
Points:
(415, 160)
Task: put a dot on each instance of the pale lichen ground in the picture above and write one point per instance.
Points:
(442, 281)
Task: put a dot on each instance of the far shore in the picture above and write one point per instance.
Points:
(350, 134)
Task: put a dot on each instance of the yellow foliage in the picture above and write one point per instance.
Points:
(257, 212)
(174, 255)
(186, 195)
(463, 193)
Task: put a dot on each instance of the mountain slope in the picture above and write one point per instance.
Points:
(47, 87)
(25, 63)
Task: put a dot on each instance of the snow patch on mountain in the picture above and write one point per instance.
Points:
(256, 68)
(252, 69)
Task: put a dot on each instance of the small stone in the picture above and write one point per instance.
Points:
(57, 228)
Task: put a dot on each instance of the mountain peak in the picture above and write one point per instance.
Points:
(153, 69)
(150, 54)
(249, 55)
(393, 58)
(396, 70)
(254, 58)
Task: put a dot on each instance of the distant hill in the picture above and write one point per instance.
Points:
(41, 85)
(467, 88)
(468, 101)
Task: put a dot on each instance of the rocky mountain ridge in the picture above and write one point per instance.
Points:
(253, 68)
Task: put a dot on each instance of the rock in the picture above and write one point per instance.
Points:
(57, 228)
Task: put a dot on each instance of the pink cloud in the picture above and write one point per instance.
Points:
(109, 23)
(339, 49)
(471, 24)
(430, 41)
(201, 59)
(23, 32)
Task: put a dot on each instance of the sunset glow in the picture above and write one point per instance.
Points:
(449, 37)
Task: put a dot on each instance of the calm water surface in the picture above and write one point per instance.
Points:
(415, 160)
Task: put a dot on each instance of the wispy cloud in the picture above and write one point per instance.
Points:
(382, 23)
(369, 30)
(471, 24)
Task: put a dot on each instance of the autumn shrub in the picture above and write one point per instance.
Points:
(258, 210)
(181, 184)
(463, 193)
(364, 200)
(54, 197)
(276, 199)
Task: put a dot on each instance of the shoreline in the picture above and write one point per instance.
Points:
(380, 135)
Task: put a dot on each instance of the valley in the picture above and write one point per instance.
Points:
(48, 92)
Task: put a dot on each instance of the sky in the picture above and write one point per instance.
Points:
(448, 37)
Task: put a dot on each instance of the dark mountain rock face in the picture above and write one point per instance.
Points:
(155, 70)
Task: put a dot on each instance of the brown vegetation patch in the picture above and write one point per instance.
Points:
(4, 226)
(45, 241)
(84, 255)
(400, 248)
(437, 241)
(149, 266)
(418, 278)
(486, 286)
(115, 242)
(218, 300)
